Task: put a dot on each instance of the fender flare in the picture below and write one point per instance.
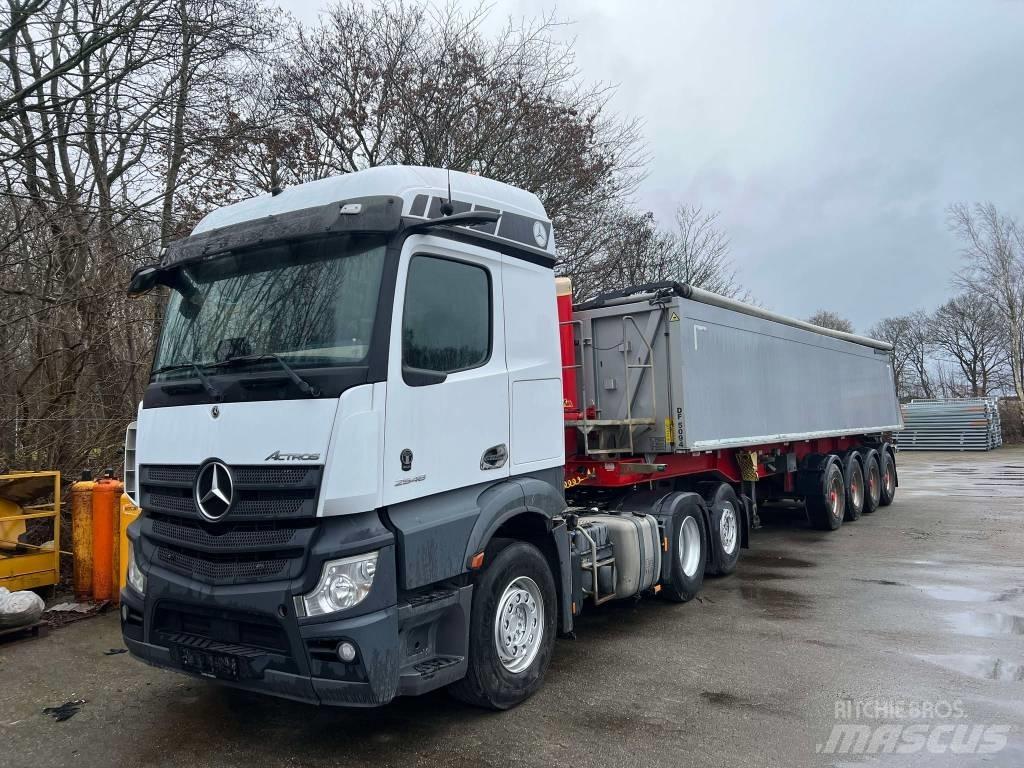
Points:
(812, 466)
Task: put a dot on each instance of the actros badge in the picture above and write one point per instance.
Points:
(279, 456)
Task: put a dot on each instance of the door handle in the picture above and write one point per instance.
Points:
(494, 457)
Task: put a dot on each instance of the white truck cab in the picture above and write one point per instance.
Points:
(341, 415)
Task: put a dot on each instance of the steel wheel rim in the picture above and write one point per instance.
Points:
(519, 624)
(837, 496)
(727, 527)
(889, 484)
(873, 491)
(689, 546)
(856, 491)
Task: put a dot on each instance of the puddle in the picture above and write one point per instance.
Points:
(959, 594)
(980, 667)
(987, 624)
(971, 595)
(769, 560)
(776, 603)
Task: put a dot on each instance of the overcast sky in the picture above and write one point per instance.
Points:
(830, 135)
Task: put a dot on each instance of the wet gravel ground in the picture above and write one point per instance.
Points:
(909, 618)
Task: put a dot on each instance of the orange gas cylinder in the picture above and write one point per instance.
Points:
(106, 502)
(81, 535)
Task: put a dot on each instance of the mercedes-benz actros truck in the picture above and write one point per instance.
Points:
(381, 451)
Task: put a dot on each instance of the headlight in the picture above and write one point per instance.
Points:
(343, 584)
(136, 578)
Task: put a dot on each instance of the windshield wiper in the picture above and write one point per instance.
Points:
(211, 390)
(304, 386)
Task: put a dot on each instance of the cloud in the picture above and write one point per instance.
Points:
(831, 135)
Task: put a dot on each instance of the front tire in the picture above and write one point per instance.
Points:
(511, 629)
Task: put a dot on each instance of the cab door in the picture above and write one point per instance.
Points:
(447, 411)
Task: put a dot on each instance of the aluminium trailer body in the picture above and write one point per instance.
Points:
(676, 369)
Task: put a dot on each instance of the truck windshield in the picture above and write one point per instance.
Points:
(310, 303)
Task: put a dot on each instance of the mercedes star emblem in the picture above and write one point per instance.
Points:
(213, 491)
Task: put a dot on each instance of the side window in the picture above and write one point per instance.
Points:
(446, 325)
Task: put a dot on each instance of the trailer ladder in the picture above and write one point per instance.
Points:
(614, 436)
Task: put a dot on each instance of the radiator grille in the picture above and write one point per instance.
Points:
(239, 537)
(218, 570)
(264, 535)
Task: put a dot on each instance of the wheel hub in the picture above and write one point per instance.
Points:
(836, 496)
(727, 528)
(689, 547)
(519, 624)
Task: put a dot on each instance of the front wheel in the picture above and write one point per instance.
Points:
(511, 629)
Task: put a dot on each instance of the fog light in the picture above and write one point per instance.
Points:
(346, 652)
(124, 613)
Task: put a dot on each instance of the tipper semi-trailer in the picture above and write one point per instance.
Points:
(381, 452)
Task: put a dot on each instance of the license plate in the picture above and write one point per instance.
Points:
(209, 664)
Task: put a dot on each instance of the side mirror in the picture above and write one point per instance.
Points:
(143, 281)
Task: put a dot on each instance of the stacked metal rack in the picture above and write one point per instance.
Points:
(967, 424)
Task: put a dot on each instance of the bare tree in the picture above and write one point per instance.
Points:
(700, 256)
(911, 350)
(833, 320)
(967, 331)
(388, 82)
(993, 249)
(101, 107)
(634, 251)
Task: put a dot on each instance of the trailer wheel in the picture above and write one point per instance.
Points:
(888, 488)
(511, 629)
(689, 542)
(826, 498)
(726, 522)
(872, 480)
(853, 481)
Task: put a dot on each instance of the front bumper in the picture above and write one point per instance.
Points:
(269, 650)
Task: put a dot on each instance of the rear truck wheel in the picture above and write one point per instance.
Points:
(726, 522)
(511, 629)
(872, 480)
(826, 496)
(888, 487)
(688, 545)
(853, 480)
